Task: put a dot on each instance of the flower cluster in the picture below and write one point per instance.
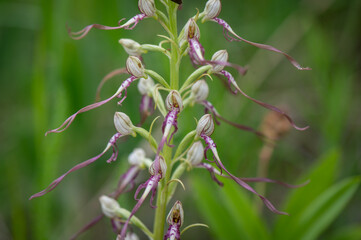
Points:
(167, 167)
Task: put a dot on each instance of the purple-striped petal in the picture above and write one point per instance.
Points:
(82, 33)
(79, 166)
(208, 140)
(265, 105)
(227, 29)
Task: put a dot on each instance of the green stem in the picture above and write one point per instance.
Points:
(174, 63)
(162, 194)
(160, 213)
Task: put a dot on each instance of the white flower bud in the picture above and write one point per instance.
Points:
(131, 236)
(109, 206)
(191, 30)
(176, 214)
(145, 86)
(174, 101)
(135, 67)
(195, 154)
(131, 47)
(200, 90)
(205, 125)
(123, 124)
(147, 7)
(220, 56)
(212, 10)
(136, 157)
(158, 166)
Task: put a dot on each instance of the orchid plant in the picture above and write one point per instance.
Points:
(171, 160)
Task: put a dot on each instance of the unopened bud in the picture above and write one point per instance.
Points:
(145, 86)
(136, 157)
(212, 10)
(131, 47)
(147, 7)
(195, 154)
(174, 101)
(205, 125)
(109, 206)
(158, 166)
(135, 67)
(192, 30)
(221, 57)
(176, 214)
(123, 124)
(131, 236)
(200, 90)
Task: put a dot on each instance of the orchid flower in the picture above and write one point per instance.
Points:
(146, 7)
(174, 105)
(219, 60)
(175, 220)
(124, 127)
(157, 171)
(138, 162)
(146, 107)
(199, 94)
(134, 67)
(195, 156)
(196, 50)
(232, 82)
(205, 128)
(211, 12)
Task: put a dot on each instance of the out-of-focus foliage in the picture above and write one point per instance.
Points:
(45, 76)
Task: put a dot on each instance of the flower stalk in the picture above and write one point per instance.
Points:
(192, 150)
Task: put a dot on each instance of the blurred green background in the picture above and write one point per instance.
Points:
(46, 76)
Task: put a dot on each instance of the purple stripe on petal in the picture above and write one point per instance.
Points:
(211, 170)
(140, 187)
(146, 108)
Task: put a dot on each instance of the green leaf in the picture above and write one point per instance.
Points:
(228, 210)
(347, 233)
(243, 211)
(318, 215)
(321, 175)
(213, 212)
